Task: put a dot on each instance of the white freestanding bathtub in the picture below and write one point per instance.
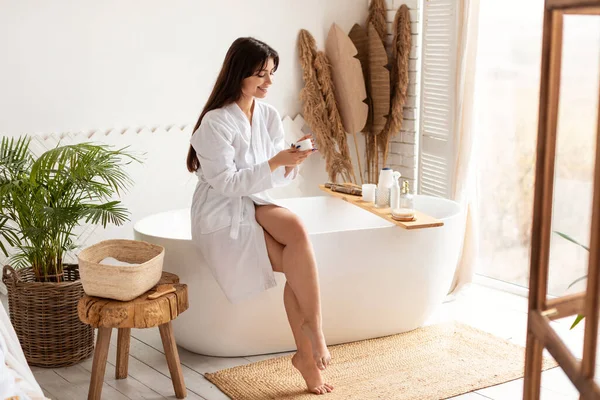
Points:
(376, 278)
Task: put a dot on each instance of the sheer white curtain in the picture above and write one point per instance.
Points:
(463, 188)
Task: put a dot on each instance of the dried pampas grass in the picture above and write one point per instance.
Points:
(323, 71)
(316, 113)
(398, 78)
(377, 14)
(386, 92)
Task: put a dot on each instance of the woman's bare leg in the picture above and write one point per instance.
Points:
(299, 267)
(302, 360)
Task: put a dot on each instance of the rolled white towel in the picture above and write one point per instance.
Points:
(115, 262)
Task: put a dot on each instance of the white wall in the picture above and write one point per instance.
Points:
(81, 65)
(138, 73)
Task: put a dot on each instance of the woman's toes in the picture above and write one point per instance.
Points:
(326, 388)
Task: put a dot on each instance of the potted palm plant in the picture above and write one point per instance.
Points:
(42, 200)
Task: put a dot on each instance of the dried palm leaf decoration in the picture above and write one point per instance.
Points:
(376, 18)
(379, 81)
(398, 78)
(348, 84)
(335, 103)
(360, 38)
(379, 87)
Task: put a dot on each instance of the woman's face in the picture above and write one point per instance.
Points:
(258, 84)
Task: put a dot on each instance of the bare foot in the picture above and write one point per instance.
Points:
(320, 352)
(311, 374)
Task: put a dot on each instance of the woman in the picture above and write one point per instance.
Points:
(238, 152)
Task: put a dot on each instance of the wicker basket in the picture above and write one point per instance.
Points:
(45, 318)
(120, 282)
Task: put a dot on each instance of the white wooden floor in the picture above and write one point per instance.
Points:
(498, 312)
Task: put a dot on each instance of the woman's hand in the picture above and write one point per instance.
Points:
(309, 136)
(288, 158)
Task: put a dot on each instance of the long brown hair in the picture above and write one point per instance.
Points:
(244, 57)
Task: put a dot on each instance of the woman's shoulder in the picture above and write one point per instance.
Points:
(217, 122)
(267, 110)
(217, 115)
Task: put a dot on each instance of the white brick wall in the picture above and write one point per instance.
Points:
(403, 150)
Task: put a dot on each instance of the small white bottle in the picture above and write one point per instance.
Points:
(395, 192)
(407, 200)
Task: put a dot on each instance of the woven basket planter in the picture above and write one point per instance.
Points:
(120, 282)
(45, 318)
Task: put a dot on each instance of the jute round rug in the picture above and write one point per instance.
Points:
(434, 362)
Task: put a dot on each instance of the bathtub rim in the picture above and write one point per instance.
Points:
(136, 226)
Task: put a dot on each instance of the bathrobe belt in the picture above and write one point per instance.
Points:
(236, 218)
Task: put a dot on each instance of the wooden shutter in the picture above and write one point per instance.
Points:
(438, 89)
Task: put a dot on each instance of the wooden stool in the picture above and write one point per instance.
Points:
(141, 312)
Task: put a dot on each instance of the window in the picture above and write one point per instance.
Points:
(505, 131)
(437, 97)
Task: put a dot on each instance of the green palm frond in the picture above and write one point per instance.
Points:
(42, 200)
(14, 162)
(79, 164)
(8, 234)
(577, 321)
(14, 157)
(21, 260)
(581, 278)
(570, 239)
(105, 213)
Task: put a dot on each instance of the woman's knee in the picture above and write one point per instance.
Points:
(285, 226)
(295, 231)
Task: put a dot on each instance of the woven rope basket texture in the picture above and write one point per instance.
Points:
(120, 282)
(44, 316)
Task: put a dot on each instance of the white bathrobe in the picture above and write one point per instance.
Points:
(234, 174)
(16, 379)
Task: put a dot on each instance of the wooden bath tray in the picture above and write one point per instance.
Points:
(421, 220)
